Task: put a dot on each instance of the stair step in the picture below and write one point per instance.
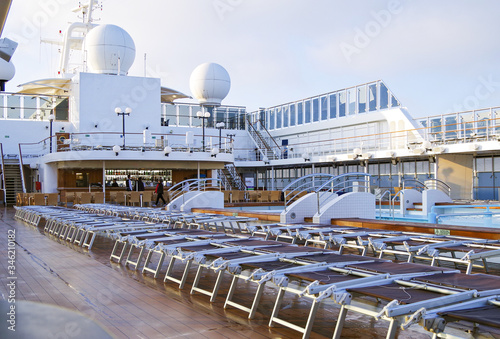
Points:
(414, 209)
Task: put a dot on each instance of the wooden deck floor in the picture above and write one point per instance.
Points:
(131, 305)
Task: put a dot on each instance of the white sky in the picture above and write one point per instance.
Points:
(436, 56)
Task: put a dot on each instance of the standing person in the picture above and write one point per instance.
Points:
(159, 192)
(140, 184)
(130, 186)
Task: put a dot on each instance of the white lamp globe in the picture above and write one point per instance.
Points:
(109, 50)
(210, 84)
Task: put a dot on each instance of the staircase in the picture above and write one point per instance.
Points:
(230, 177)
(13, 182)
(264, 144)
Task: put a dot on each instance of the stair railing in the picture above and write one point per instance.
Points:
(21, 168)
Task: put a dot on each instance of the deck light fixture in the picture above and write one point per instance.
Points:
(220, 126)
(203, 116)
(119, 112)
(116, 149)
(167, 150)
(214, 152)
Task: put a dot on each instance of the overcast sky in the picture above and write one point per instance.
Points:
(436, 56)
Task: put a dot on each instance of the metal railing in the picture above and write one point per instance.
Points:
(305, 184)
(342, 184)
(439, 185)
(190, 185)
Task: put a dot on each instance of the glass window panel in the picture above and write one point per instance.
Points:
(372, 97)
(300, 114)
(333, 106)
(483, 118)
(170, 118)
(61, 109)
(351, 93)
(220, 114)
(30, 108)
(316, 109)
(285, 116)
(451, 127)
(13, 107)
(373, 169)
(292, 115)
(271, 119)
(384, 96)
(436, 129)
(232, 118)
(394, 101)
(307, 112)
(467, 124)
(342, 102)
(184, 116)
(362, 99)
(278, 117)
(324, 108)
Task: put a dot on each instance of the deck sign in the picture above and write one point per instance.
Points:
(439, 231)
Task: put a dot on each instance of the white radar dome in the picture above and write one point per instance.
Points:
(7, 70)
(110, 50)
(210, 83)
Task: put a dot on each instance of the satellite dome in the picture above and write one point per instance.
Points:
(210, 83)
(7, 70)
(108, 49)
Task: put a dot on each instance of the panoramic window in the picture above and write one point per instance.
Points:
(362, 99)
(184, 117)
(333, 106)
(285, 116)
(278, 117)
(352, 101)
(324, 108)
(271, 119)
(300, 114)
(316, 109)
(307, 111)
(292, 115)
(384, 96)
(372, 97)
(342, 102)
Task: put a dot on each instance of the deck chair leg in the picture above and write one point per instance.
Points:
(469, 267)
(169, 268)
(231, 291)
(277, 306)
(185, 274)
(196, 279)
(485, 265)
(218, 282)
(393, 328)
(256, 300)
(310, 319)
(340, 323)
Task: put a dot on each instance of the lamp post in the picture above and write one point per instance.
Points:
(220, 126)
(119, 112)
(51, 120)
(203, 115)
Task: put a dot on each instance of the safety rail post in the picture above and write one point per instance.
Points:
(3, 177)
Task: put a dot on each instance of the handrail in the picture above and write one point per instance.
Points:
(413, 180)
(269, 134)
(342, 186)
(393, 204)
(3, 177)
(436, 186)
(189, 185)
(380, 202)
(304, 186)
(21, 168)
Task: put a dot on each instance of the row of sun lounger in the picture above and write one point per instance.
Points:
(401, 293)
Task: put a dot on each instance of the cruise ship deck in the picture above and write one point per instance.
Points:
(130, 304)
